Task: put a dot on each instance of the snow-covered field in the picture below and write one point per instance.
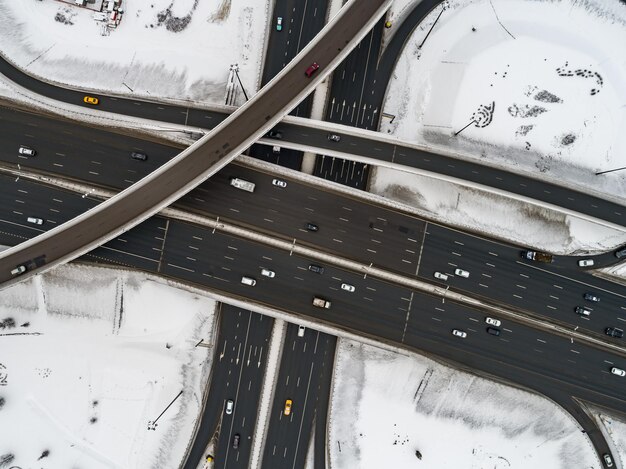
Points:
(179, 49)
(543, 82)
(88, 357)
(386, 406)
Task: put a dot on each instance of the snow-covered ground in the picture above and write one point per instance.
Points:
(614, 431)
(88, 357)
(502, 217)
(387, 405)
(179, 49)
(544, 82)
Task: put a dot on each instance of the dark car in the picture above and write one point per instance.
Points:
(591, 297)
(312, 227)
(316, 268)
(614, 332)
(620, 253)
(582, 311)
(137, 155)
(277, 134)
(312, 69)
(493, 331)
(334, 137)
(236, 439)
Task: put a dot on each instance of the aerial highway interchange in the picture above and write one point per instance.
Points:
(345, 226)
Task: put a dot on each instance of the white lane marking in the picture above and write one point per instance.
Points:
(179, 267)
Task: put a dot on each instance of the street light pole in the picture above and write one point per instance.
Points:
(609, 171)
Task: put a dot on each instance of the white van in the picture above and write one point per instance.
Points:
(242, 184)
(248, 281)
(35, 220)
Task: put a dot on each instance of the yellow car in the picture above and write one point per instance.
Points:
(287, 410)
(91, 100)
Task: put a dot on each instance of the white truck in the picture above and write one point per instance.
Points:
(242, 184)
(320, 302)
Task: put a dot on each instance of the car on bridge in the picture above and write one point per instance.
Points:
(607, 460)
(279, 23)
(314, 67)
(591, 297)
(585, 263)
(618, 371)
(19, 270)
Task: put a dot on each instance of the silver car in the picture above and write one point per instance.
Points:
(347, 287)
(229, 406)
(458, 333)
(493, 322)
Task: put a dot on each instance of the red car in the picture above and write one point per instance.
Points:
(312, 69)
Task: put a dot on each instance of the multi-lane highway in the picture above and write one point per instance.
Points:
(219, 261)
(348, 227)
(237, 374)
(300, 22)
(200, 161)
(554, 365)
(532, 358)
(304, 379)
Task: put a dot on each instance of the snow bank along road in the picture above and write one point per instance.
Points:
(204, 158)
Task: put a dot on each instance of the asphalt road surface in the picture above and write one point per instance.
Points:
(305, 372)
(189, 171)
(531, 358)
(576, 200)
(237, 375)
(347, 227)
(301, 21)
